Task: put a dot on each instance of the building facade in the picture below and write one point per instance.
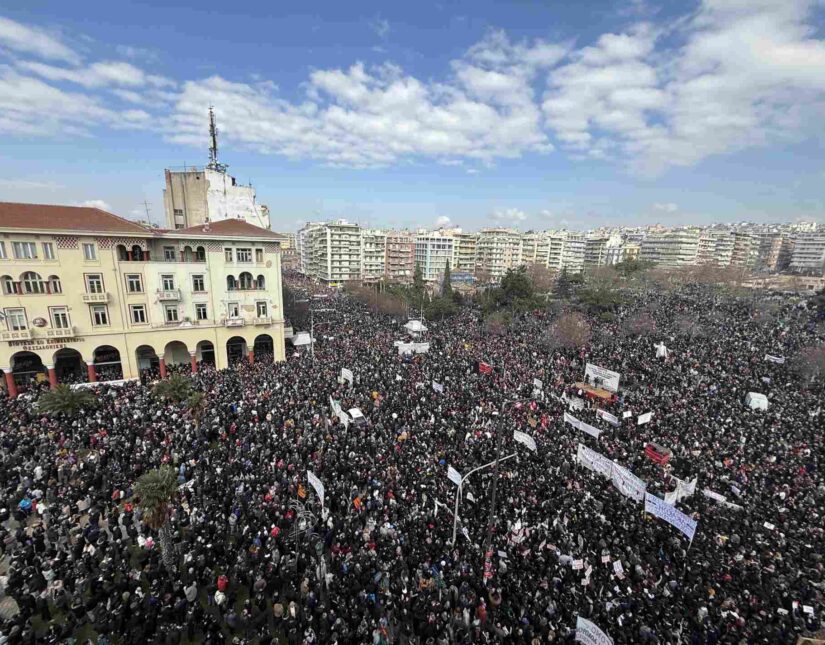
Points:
(373, 254)
(433, 252)
(464, 251)
(808, 253)
(675, 248)
(497, 251)
(335, 252)
(90, 296)
(400, 256)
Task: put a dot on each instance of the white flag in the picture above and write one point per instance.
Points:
(344, 418)
(347, 375)
(438, 387)
(317, 484)
(775, 359)
(590, 634)
(336, 407)
(537, 384)
(453, 475)
(526, 439)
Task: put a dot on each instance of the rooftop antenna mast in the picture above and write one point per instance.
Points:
(213, 144)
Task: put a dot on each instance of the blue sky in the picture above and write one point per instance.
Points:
(535, 114)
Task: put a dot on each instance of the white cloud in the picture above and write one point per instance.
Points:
(30, 40)
(103, 74)
(509, 215)
(381, 27)
(442, 221)
(95, 203)
(667, 207)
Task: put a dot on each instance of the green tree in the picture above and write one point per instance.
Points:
(176, 388)
(818, 301)
(64, 400)
(155, 491)
(446, 284)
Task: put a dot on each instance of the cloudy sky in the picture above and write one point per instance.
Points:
(532, 113)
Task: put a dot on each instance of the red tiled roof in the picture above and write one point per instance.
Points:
(228, 228)
(65, 218)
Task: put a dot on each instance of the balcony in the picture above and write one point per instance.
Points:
(168, 295)
(95, 297)
(22, 334)
(64, 332)
(233, 322)
(262, 321)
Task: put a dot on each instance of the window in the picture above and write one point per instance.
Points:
(134, 283)
(233, 309)
(200, 254)
(171, 313)
(198, 284)
(2, 250)
(244, 255)
(48, 251)
(260, 282)
(231, 283)
(24, 250)
(54, 284)
(10, 287)
(100, 315)
(60, 317)
(16, 319)
(167, 282)
(138, 314)
(227, 254)
(89, 252)
(169, 253)
(261, 308)
(200, 312)
(259, 255)
(178, 213)
(32, 283)
(245, 280)
(94, 283)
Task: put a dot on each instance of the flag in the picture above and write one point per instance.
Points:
(317, 484)
(484, 368)
(302, 492)
(438, 387)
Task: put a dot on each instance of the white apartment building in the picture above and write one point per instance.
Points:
(745, 249)
(434, 250)
(595, 250)
(572, 258)
(302, 242)
(335, 252)
(715, 247)
(400, 256)
(808, 253)
(498, 250)
(464, 251)
(373, 254)
(674, 248)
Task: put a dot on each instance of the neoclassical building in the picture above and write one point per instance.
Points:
(87, 295)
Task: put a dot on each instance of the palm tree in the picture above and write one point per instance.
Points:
(64, 400)
(176, 388)
(155, 491)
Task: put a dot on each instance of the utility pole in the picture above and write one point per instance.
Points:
(146, 206)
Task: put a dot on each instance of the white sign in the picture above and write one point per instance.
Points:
(669, 514)
(590, 634)
(537, 384)
(607, 417)
(775, 359)
(600, 377)
(628, 484)
(575, 403)
(721, 499)
(526, 439)
(453, 475)
(421, 348)
(438, 387)
(317, 484)
(644, 418)
(347, 375)
(593, 460)
(627, 414)
(581, 425)
(404, 348)
(336, 407)
(342, 416)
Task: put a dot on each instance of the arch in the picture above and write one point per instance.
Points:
(264, 347)
(69, 366)
(10, 287)
(27, 368)
(200, 254)
(206, 352)
(137, 252)
(236, 350)
(176, 353)
(245, 280)
(260, 282)
(146, 358)
(231, 283)
(107, 363)
(122, 253)
(55, 286)
(32, 282)
(187, 255)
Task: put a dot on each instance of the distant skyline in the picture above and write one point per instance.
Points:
(531, 115)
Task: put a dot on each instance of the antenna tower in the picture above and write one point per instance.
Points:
(214, 164)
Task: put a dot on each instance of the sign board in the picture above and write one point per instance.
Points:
(537, 384)
(644, 418)
(581, 425)
(612, 420)
(347, 375)
(600, 377)
(524, 438)
(590, 634)
(438, 387)
(775, 359)
(317, 484)
(453, 475)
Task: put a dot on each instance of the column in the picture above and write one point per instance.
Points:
(52, 376)
(193, 362)
(91, 372)
(251, 356)
(145, 256)
(162, 365)
(11, 386)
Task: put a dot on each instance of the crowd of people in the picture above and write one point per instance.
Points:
(258, 559)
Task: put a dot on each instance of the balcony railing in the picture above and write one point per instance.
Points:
(262, 321)
(233, 322)
(169, 294)
(95, 297)
(20, 334)
(61, 332)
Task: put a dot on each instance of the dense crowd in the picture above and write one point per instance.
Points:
(258, 559)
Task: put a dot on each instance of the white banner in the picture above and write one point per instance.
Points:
(684, 488)
(317, 484)
(590, 634)
(347, 375)
(581, 425)
(593, 460)
(669, 514)
(721, 499)
(438, 387)
(775, 359)
(336, 407)
(627, 414)
(421, 348)
(644, 418)
(600, 377)
(628, 484)
(608, 417)
(453, 475)
(526, 439)
(404, 348)
(344, 418)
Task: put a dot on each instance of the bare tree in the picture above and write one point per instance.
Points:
(541, 277)
(809, 363)
(569, 331)
(497, 324)
(639, 324)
